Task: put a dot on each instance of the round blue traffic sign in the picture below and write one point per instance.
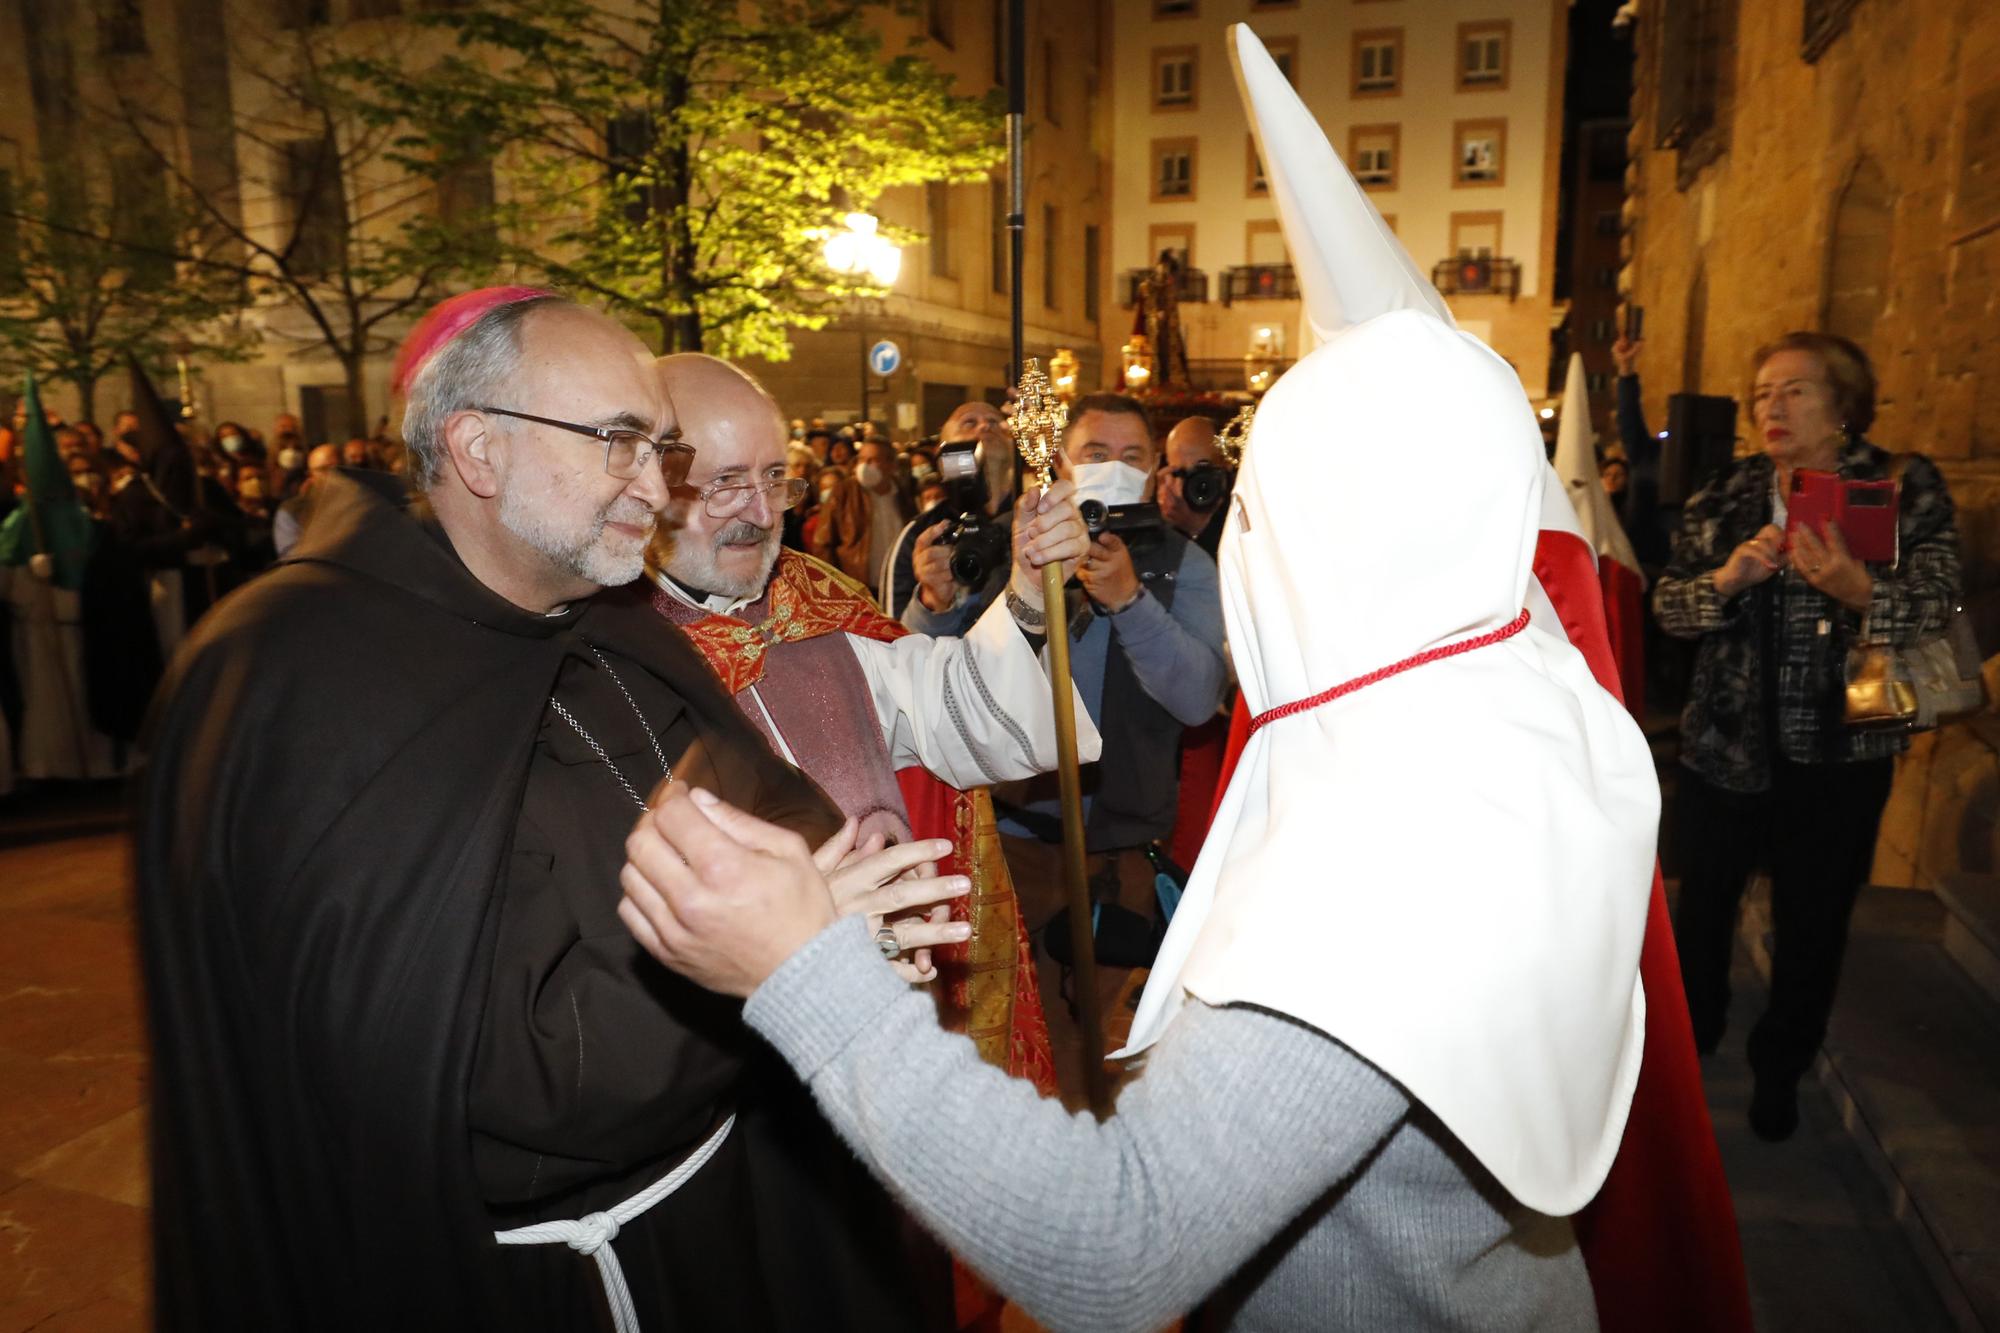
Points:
(884, 357)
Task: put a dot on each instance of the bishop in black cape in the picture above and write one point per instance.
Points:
(339, 757)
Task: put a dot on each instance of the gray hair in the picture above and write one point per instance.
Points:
(467, 372)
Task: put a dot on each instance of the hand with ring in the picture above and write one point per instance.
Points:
(1831, 568)
(724, 898)
(899, 890)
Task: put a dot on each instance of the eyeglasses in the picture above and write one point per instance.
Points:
(1763, 395)
(726, 499)
(626, 452)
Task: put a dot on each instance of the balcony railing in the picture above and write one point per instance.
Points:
(1259, 282)
(1477, 275)
(1194, 286)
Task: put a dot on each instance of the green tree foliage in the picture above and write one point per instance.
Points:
(683, 160)
(87, 273)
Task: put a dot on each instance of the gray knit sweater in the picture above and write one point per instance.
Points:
(1255, 1162)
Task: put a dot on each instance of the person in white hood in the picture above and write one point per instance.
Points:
(1394, 1030)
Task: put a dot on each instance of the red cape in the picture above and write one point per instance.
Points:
(1660, 1237)
(1625, 632)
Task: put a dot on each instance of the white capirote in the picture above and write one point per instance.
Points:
(1447, 871)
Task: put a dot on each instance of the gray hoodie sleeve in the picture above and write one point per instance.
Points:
(1122, 1225)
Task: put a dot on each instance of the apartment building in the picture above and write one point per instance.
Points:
(1449, 112)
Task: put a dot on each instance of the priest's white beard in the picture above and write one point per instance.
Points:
(588, 550)
(696, 565)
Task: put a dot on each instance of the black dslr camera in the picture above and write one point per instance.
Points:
(979, 545)
(1203, 486)
(1132, 523)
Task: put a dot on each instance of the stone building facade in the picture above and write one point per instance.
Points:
(1822, 164)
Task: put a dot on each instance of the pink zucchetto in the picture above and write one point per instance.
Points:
(445, 321)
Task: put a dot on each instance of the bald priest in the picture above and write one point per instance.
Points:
(902, 731)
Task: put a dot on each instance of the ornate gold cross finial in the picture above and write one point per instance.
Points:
(1233, 436)
(1040, 417)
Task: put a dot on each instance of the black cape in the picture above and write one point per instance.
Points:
(338, 757)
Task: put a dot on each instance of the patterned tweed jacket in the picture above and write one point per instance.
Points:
(1769, 672)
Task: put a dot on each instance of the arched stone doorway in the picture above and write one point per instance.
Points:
(1855, 289)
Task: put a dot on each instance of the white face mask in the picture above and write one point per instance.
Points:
(230, 443)
(868, 475)
(1111, 483)
(288, 459)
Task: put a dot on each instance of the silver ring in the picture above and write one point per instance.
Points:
(885, 940)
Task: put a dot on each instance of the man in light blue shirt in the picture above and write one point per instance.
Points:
(1146, 653)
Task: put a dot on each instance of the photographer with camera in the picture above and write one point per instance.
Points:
(1146, 656)
(974, 459)
(1195, 483)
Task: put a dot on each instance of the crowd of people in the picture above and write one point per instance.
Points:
(171, 516)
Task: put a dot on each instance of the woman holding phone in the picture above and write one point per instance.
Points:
(1771, 775)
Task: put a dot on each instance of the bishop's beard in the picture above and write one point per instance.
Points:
(606, 559)
(698, 564)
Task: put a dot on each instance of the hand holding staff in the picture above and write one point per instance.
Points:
(1039, 419)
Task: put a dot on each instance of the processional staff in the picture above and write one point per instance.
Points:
(1040, 417)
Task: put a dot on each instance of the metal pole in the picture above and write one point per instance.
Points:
(1017, 170)
(1031, 424)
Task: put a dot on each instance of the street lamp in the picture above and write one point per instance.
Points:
(858, 249)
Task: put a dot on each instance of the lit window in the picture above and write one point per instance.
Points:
(1378, 62)
(1482, 55)
(1372, 150)
(1480, 152)
(1173, 169)
(1173, 78)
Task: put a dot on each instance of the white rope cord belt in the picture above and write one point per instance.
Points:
(593, 1235)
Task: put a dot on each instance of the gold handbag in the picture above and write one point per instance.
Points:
(1933, 681)
(1914, 689)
